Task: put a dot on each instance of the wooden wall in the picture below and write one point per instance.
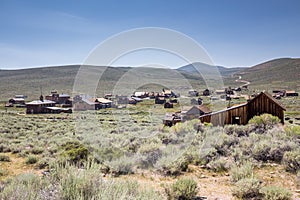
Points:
(261, 104)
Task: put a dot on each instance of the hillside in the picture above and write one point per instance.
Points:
(283, 73)
(280, 73)
(30, 81)
(205, 68)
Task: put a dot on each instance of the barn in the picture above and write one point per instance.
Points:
(241, 114)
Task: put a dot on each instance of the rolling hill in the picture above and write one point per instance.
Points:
(279, 73)
(204, 68)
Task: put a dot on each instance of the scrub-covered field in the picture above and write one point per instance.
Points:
(128, 154)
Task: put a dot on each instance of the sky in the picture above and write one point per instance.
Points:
(234, 33)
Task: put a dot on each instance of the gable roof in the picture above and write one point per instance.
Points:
(39, 102)
(103, 100)
(201, 108)
(244, 104)
(270, 97)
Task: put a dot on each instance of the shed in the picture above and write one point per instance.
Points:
(168, 105)
(160, 100)
(206, 92)
(193, 93)
(291, 93)
(219, 92)
(171, 119)
(17, 101)
(241, 114)
(122, 99)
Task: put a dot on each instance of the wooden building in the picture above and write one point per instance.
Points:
(291, 93)
(241, 114)
(17, 101)
(206, 92)
(39, 106)
(194, 112)
(104, 103)
(193, 93)
(59, 98)
(121, 99)
(81, 103)
(171, 119)
(168, 105)
(160, 100)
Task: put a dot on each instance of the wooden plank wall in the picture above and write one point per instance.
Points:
(259, 105)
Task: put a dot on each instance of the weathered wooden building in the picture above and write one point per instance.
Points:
(168, 105)
(291, 93)
(160, 100)
(17, 101)
(39, 106)
(206, 92)
(171, 119)
(81, 103)
(194, 112)
(241, 114)
(59, 98)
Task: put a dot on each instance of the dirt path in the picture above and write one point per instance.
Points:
(245, 83)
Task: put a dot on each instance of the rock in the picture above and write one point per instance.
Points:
(202, 176)
(297, 191)
(272, 172)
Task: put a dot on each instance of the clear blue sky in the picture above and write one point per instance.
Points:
(234, 33)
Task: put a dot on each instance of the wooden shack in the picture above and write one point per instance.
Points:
(171, 119)
(168, 105)
(160, 100)
(241, 114)
(17, 101)
(291, 93)
(206, 92)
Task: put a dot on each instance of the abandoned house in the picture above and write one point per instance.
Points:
(81, 103)
(59, 98)
(194, 112)
(241, 114)
(39, 106)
